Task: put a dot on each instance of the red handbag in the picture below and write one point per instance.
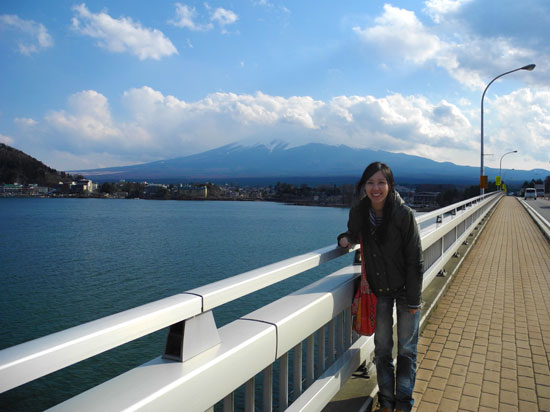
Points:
(363, 308)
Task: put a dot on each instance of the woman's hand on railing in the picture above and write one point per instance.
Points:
(344, 242)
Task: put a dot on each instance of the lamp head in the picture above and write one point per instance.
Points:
(529, 67)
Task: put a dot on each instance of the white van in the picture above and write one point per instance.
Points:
(530, 193)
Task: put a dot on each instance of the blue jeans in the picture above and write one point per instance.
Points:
(395, 389)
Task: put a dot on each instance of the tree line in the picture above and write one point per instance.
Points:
(302, 193)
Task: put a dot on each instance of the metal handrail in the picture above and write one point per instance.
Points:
(433, 214)
(36, 358)
(542, 223)
(28, 361)
(433, 234)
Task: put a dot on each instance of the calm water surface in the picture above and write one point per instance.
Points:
(68, 261)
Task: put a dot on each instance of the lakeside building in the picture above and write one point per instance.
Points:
(194, 191)
(425, 199)
(406, 193)
(152, 189)
(17, 189)
(83, 187)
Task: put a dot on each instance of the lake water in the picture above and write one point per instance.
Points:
(68, 261)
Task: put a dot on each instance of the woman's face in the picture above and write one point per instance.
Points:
(377, 190)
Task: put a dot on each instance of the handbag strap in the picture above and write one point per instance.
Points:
(365, 287)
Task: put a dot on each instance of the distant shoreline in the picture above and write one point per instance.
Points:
(286, 202)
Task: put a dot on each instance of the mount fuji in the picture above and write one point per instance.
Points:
(310, 163)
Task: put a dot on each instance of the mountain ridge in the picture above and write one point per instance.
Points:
(309, 161)
(18, 167)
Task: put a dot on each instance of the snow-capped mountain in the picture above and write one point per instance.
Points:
(278, 161)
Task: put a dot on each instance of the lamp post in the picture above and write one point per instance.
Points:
(529, 67)
(500, 172)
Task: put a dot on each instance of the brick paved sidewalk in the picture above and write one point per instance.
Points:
(486, 347)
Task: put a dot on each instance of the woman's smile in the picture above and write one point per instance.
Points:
(377, 190)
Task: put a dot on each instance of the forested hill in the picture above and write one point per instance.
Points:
(19, 167)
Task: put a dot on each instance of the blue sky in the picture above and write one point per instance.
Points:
(99, 83)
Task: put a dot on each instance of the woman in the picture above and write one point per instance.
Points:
(393, 262)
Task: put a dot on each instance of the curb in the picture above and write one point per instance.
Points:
(541, 222)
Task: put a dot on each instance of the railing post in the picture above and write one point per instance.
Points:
(331, 347)
(268, 389)
(309, 360)
(229, 403)
(341, 333)
(297, 371)
(283, 382)
(320, 352)
(249, 396)
(349, 330)
(190, 337)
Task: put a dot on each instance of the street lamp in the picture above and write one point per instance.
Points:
(500, 172)
(529, 67)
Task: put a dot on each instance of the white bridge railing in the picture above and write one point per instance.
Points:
(300, 347)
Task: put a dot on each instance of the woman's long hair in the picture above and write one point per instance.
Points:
(365, 203)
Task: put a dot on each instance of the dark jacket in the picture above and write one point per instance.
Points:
(395, 265)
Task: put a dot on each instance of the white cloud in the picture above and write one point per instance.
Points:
(92, 160)
(522, 22)
(271, 6)
(452, 43)
(440, 9)
(399, 32)
(88, 117)
(224, 17)
(6, 139)
(188, 18)
(122, 35)
(86, 126)
(396, 123)
(520, 120)
(35, 36)
(159, 126)
(24, 121)
(218, 119)
(476, 61)
(263, 3)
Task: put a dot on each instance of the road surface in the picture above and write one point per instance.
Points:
(542, 206)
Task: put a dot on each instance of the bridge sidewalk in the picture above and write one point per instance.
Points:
(486, 347)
